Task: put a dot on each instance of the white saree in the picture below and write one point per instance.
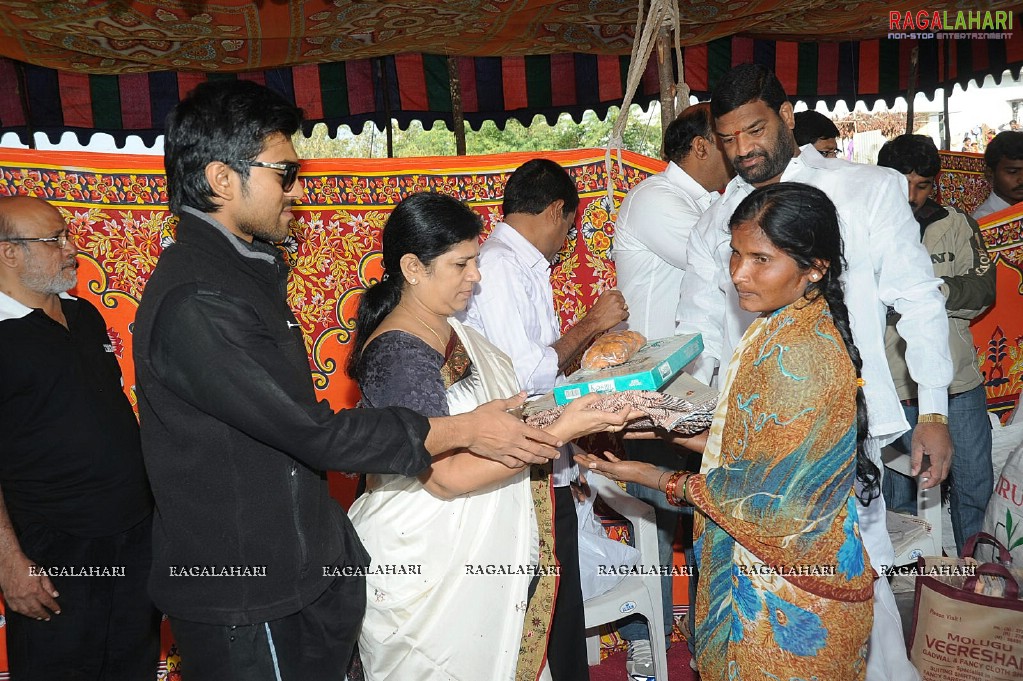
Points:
(452, 620)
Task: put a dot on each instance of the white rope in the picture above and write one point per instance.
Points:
(662, 12)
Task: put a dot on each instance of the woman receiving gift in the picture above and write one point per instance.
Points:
(470, 535)
(785, 587)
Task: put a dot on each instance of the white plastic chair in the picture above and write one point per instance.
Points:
(912, 542)
(636, 594)
(1015, 416)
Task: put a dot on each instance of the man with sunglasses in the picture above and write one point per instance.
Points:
(75, 507)
(247, 542)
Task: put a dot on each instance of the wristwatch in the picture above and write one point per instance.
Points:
(932, 418)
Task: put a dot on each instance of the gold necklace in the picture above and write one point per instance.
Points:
(436, 335)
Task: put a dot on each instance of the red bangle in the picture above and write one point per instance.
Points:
(669, 490)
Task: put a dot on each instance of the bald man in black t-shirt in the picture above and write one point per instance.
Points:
(75, 506)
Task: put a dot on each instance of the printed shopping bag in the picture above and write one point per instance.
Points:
(967, 619)
(1004, 516)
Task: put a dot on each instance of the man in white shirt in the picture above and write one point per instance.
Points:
(887, 266)
(651, 232)
(1004, 160)
(513, 306)
(658, 214)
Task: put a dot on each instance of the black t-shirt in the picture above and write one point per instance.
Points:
(70, 455)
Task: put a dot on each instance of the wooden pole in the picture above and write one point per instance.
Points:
(385, 83)
(19, 69)
(914, 63)
(457, 115)
(665, 77)
(947, 137)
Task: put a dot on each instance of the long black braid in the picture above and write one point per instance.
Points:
(866, 470)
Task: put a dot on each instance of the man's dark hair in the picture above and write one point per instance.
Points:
(678, 138)
(537, 184)
(1007, 144)
(911, 154)
(812, 126)
(226, 121)
(744, 84)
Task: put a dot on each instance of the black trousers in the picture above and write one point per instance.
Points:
(566, 646)
(107, 629)
(313, 644)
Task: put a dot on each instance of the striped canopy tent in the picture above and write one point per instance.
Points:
(119, 66)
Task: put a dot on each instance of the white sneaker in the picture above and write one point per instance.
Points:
(639, 664)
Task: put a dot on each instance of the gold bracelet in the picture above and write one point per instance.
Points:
(932, 418)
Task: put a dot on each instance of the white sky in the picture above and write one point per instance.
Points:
(966, 109)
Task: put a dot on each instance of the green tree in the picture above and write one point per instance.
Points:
(642, 135)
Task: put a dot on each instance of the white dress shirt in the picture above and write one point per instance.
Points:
(992, 204)
(887, 265)
(650, 237)
(513, 307)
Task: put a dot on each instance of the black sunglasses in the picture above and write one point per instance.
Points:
(288, 168)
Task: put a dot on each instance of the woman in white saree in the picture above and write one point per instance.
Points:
(476, 535)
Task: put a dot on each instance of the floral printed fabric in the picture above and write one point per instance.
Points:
(669, 412)
(540, 609)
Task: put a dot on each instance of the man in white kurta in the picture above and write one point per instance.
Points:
(886, 266)
(657, 215)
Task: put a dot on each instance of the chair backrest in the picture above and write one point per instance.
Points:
(639, 513)
(638, 594)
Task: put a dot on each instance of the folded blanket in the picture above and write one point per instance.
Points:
(670, 412)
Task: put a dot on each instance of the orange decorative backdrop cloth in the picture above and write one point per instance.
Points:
(115, 206)
(998, 333)
(116, 209)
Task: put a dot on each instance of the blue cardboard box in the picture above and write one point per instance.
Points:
(652, 366)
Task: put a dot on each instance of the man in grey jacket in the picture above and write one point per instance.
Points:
(960, 258)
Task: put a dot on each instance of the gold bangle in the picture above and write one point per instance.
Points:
(932, 418)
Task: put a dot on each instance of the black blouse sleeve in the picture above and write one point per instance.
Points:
(401, 370)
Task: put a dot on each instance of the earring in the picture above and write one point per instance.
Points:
(412, 281)
(814, 277)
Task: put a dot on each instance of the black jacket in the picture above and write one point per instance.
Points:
(235, 442)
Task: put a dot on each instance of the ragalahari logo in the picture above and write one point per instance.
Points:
(944, 25)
